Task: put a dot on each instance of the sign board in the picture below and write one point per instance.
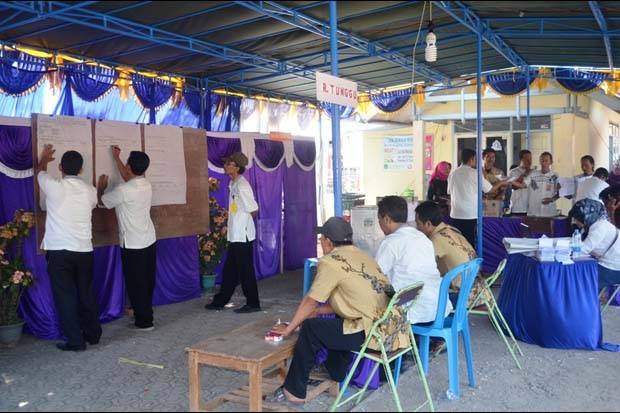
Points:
(336, 90)
(428, 152)
(280, 136)
(398, 153)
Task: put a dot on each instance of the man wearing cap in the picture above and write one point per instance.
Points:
(355, 289)
(239, 266)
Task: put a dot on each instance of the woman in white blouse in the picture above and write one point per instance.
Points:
(601, 239)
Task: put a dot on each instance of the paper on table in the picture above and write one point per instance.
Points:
(167, 175)
(66, 133)
(545, 242)
(107, 133)
(567, 186)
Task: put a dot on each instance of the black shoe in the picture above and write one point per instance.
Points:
(69, 347)
(214, 307)
(91, 341)
(246, 309)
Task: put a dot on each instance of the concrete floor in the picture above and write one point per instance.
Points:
(35, 376)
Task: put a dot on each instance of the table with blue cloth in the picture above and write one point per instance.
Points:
(551, 304)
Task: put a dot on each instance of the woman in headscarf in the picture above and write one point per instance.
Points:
(438, 186)
(601, 239)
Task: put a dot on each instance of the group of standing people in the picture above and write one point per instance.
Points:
(525, 190)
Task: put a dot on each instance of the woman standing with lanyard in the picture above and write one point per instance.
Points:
(601, 239)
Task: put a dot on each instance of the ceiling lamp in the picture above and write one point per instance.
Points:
(431, 40)
(431, 44)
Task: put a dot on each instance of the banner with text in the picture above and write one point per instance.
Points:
(336, 90)
(398, 153)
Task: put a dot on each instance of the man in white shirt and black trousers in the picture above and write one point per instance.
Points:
(69, 202)
(239, 266)
(463, 190)
(132, 201)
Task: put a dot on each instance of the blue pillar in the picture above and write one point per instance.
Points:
(478, 142)
(527, 115)
(335, 115)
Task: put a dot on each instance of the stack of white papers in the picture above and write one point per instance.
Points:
(520, 245)
(562, 251)
(546, 252)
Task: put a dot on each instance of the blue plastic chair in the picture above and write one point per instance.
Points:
(309, 264)
(448, 328)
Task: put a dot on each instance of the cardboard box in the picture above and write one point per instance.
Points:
(493, 208)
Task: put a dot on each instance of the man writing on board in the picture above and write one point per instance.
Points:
(132, 201)
(242, 208)
(68, 242)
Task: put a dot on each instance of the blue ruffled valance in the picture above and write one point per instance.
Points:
(391, 101)
(509, 84)
(152, 93)
(90, 82)
(578, 81)
(20, 72)
(345, 111)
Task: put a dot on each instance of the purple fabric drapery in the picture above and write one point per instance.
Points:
(270, 153)
(152, 93)
(19, 71)
(15, 147)
(177, 270)
(219, 148)
(299, 217)
(267, 188)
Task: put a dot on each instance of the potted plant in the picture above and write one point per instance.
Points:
(213, 244)
(14, 277)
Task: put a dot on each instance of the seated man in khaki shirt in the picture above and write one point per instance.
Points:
(350, 281)
(451, 247)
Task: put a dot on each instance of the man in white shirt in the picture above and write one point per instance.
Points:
(520, 177)
(239, 266)
(587, 167)
(591, 188)
(406, 256)
(543, 189)
(463, 189)
(132, 202)
(69, 202)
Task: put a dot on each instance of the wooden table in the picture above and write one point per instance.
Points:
(245, 349)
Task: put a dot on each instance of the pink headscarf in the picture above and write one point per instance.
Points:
(441, 171)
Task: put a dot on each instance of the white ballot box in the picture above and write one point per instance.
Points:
(367, 233)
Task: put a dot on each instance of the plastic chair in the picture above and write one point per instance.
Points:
(485, 297)
(611, 298)
(309, 264)
(449, 328)
(395, 316)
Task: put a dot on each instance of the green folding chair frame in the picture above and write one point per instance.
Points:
(485, 297)
(402, 301)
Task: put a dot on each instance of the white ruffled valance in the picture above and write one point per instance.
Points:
(249, 149)
(14, 173)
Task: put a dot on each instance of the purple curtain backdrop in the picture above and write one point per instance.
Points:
(267, 188)
(16, 147)
(270, 153)
(220, 148)
(300, 240)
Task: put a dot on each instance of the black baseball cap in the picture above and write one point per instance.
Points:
(336, 229)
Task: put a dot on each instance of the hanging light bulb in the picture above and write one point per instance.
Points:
(430, 53)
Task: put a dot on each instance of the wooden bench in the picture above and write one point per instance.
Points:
(245, 349)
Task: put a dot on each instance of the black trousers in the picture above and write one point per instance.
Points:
(139, 272)
(315, 334)
(71, 276)
(467, 228)
(239, 267)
